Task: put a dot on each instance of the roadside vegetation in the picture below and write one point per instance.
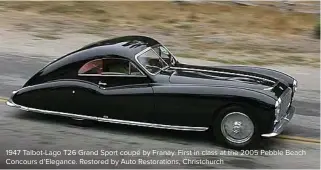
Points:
(317, 30)
(226, 33)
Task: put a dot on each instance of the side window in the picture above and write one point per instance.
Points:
(92, 67)
(120, 67)
(110, 66)
(115, 67)
(133, 70)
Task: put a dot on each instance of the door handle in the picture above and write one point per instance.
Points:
(102, 83)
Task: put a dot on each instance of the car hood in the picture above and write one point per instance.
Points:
(211, 76)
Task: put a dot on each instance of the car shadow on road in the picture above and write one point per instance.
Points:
(172, 136)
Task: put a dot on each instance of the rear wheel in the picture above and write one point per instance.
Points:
(236, 128)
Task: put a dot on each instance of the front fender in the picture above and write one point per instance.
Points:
(205, 102)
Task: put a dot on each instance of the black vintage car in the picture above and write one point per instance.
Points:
(135, 80)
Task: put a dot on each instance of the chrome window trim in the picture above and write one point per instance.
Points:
(144, 51)
(116, 121)
(168, 51)
(158, 46)
(111, 75)
(114, 75)
(141, 72)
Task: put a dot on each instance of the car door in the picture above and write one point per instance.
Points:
(175, 104)
(123, 91)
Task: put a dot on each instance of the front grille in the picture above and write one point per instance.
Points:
(286, 102)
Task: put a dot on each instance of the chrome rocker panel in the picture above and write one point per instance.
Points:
(116, 121)
(278, 128)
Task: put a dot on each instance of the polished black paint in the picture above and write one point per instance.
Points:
(67, 66)
(183, 94)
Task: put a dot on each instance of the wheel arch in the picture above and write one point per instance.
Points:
(259, 109)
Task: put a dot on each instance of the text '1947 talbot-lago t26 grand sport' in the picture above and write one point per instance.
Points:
(135, 80)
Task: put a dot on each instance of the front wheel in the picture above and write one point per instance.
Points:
(236, 128)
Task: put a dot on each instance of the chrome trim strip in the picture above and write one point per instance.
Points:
(109, 75)
(208, 75)
(268, 88)
(159, 126)
(263, 68)
(116, 121)
(221, 72)
(12, 104)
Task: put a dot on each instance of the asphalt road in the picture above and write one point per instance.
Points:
(30, 131)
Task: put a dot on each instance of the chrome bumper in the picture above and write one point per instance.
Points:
(11, 104)
(278, 128)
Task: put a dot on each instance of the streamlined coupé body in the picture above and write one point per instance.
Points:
(135, 80)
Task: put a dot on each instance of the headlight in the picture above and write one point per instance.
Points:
(295, 85)
(277, 110)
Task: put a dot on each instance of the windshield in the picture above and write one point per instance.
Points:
(152, 62)
(165, 54)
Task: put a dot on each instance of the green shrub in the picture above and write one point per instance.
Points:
(317, 30)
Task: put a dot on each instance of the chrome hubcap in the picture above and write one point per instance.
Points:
(237, 127)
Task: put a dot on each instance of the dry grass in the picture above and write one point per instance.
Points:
(188, 23)
(234, 18)
(46, 36)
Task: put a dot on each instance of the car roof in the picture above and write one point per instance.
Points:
(126, 46)
(130, 42)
